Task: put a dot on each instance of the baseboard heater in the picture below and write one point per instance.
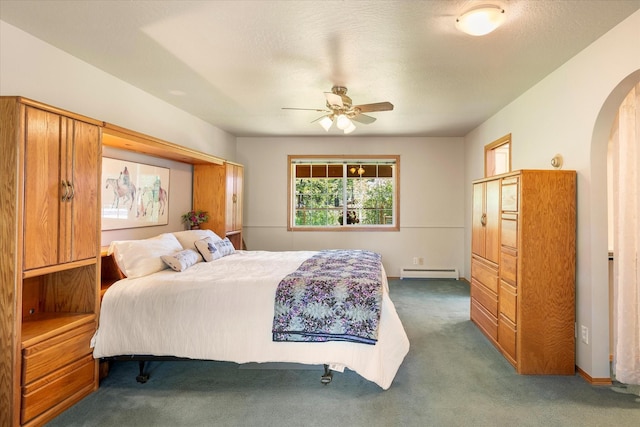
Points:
(429, 273)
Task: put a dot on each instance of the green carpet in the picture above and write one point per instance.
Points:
(452, 376)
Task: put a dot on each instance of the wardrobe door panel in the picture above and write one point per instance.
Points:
(43, 188)
(86, 160)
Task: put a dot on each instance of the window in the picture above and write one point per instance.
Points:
(343, 193)
(497, 156)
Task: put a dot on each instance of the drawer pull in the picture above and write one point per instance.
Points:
(65, 191)
(73, 191)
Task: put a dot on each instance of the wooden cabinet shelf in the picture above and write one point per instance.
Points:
(42, 326)
(60, 267)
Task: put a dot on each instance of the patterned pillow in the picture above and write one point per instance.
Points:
(188, 238)
(214, 249)
(182, 260)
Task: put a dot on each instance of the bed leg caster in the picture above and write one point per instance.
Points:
(142, 377)
(327, 376)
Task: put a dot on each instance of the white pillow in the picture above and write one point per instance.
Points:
(188, 238)
(182, 260)
(214, 249)
(137, 258)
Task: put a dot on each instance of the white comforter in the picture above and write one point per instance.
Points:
(223, 310)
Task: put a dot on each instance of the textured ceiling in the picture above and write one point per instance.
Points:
(235, 64)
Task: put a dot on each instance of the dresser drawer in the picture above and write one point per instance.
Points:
(510, 194)
(485, 274)
(47, 356)
(507, 338)
(485, 297)
(509, 230)
(486, 322)
(57, 387)
(508, 301)
(509, 267)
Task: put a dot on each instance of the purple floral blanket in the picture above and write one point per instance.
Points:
(335, 295)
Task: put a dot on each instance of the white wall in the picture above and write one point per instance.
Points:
(570, 112)
(431, 198)
(34, 69)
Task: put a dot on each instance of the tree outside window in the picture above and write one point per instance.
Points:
(344, 193)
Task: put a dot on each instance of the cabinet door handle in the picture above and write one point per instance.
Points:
(235, 198)
(73, 191)
(483, 219)
(65, 193)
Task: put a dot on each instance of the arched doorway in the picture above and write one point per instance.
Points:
(600, 241)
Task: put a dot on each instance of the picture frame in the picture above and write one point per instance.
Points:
(133, 194)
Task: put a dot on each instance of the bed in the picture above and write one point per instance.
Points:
(222, 309)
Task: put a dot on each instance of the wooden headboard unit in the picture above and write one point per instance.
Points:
(125, 139)
(109, 272)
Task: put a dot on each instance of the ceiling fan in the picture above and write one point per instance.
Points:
(340, 109)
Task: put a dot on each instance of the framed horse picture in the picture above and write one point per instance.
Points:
(133, 194)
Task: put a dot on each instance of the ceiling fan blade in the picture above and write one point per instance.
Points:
(322, 110)
(378, 106)
(364, 119)
(321, 117)
(333, 99)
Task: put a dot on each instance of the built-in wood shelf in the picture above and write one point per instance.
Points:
(58, 267)
(126, 139)
(42, 326)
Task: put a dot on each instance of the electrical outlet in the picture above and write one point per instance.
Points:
(584, 334)
(415, 260)
(421, 261)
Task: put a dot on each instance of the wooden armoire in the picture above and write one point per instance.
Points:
(50, 266)
(523, 267)
(224, 207)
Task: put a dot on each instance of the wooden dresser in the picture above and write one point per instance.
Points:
(523, 268)
(50, 169)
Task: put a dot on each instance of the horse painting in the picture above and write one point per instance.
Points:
(122, 190)
(150, 199)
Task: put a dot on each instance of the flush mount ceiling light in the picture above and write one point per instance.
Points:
(481, 20)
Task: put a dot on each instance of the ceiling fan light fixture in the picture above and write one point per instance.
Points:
(481, 20)
(326, 123)
(350, 129)
(343, 122)
(339, 110)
